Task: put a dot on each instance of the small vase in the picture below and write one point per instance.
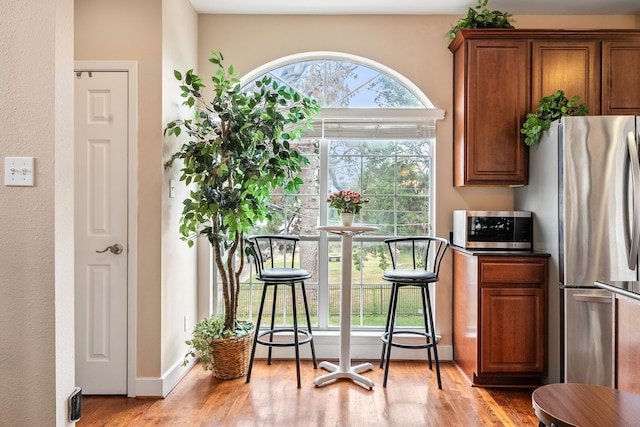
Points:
(347, 219)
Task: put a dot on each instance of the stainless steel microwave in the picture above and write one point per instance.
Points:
(510, 230)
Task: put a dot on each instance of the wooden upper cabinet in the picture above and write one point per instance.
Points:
(620, 77)
(569, 65)
(500, 76)
(491, 93)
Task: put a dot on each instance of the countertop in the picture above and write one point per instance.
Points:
(494, 252)
(629, 289)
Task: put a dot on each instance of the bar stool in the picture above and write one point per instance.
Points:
(424, 256)
(275, 265)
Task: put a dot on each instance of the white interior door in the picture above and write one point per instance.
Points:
(101, 146)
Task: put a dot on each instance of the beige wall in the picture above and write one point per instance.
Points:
(36, 261)
(414, 46)
(179, 262)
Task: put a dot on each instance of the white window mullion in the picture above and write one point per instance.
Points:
(323, 243)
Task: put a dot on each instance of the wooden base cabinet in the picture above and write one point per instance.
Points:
(627, 353)
(500, 317)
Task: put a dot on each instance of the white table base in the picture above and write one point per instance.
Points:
(351, 373)
(344, 369)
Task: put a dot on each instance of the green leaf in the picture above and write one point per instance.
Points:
(550, 108)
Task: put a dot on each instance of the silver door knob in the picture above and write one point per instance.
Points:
(116, 248)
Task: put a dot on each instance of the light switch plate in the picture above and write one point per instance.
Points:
(18, 171)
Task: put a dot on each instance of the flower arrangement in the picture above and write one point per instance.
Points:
(347, 201)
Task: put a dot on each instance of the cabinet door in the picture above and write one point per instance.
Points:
(489, 149)
(512, 330)
(570, 66)
(627, 371)
(620, 78)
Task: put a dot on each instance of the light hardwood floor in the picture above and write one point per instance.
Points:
(411, 398)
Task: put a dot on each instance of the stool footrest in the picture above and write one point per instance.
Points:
(307, 337)
(385, 338)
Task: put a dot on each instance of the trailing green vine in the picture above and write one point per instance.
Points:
(551, 108)
(485, 18)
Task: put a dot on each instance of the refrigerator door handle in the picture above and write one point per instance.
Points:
(635, 174)
(600, 299)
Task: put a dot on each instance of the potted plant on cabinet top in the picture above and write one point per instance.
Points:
(485, 18)
(550, 108)
(239, 149)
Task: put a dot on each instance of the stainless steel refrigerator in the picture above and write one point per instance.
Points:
(584, 183)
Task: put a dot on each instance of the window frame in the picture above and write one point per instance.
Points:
(417, 122)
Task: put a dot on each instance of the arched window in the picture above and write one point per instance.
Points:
(375, 134)
(343, 81)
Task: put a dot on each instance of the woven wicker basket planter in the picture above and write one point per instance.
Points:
(231, 356)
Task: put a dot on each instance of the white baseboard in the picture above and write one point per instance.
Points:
(160, 387)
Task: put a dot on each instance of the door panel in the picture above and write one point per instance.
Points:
(620, 85)
(512, 330)
(569, 65)
(101, 146)
(588, 344)
(595, 184)
(498, 99)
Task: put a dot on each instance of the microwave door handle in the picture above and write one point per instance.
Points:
(635, 180)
